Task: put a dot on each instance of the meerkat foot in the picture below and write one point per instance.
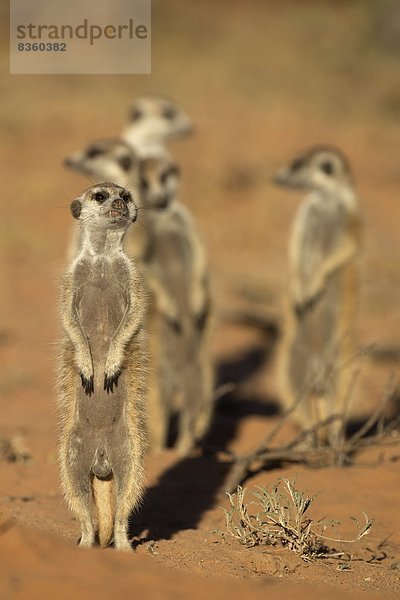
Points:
(123, 545)
(85, 543)
(121, 540)
(87, 538)
(184, 446)
(111, 381)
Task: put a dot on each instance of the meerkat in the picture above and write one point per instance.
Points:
(102, 371)
(153, 120)
(318, 333)
(176, 272)
(109, 159)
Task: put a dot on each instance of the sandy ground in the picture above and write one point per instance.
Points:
(260, 82)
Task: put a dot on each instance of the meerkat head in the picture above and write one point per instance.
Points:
(155, 119)
(105, 206)
(158, 182)
(319, 168)
(105, 160)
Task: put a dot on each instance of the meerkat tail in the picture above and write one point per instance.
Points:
(103, 494)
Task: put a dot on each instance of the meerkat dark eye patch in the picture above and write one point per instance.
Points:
(297, 164)
(136, 114)
(172, 171)
(76, 209)
(126, 196)
(169, 113)
(94, 152)
(125, 162)
(327, 167)
(100, 196)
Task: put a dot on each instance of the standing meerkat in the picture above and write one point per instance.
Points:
(317, 343)
(176, 272)
(153, 120)
(102, 370)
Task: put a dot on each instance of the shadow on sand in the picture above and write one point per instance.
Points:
(190, 487)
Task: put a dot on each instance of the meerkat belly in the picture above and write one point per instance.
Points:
(174, 258)
(316, 343)
(101, 311)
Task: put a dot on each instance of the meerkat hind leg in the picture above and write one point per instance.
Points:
(129, 485)
(76, 480)
(78, 497)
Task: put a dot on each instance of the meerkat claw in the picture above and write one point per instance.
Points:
(302, 309)
(88, 384)
(110, 382)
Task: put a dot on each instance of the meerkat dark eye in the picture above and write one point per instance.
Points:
(169, 113)
(297, 164)
(327, 167)
(169, 173)
(94, 152)
(125, 162)
(100, 196)
(136, 114)
(164, 176)
(125, 196)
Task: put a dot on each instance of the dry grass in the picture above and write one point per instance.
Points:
(279, 516)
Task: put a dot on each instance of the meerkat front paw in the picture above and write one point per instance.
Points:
(110, 381)
(113, 370)
(303, 308)
(85, 368)
(88, 384)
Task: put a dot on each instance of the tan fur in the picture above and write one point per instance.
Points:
(103, 496)
(317, 347)
(102, 437)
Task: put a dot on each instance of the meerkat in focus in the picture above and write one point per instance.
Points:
(102, 371)
(318, 335)
(153, 120)
(176, 272)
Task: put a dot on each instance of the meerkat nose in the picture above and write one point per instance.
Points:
(119, 204)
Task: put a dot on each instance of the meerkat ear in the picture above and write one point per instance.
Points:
(76, 208)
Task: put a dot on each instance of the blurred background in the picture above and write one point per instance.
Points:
(261, 80)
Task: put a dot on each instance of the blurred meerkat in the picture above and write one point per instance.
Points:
(176, 271)
(153, 120)
(102, 370)
(317, 343)
(108, 159)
